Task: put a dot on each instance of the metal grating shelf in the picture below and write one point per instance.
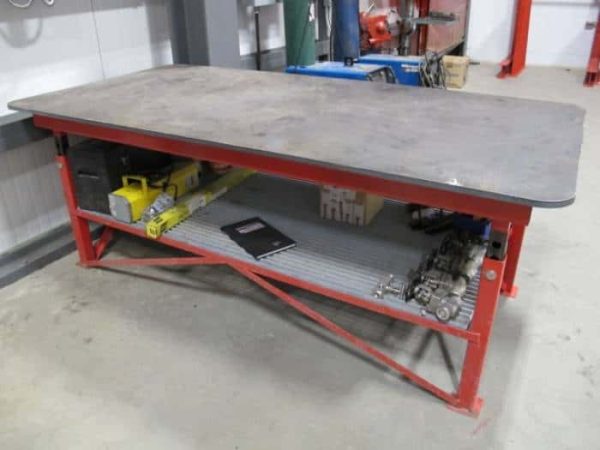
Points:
(334, 255)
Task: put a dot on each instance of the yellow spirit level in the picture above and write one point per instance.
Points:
(190, 203)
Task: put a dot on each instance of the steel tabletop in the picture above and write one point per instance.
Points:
(514, 150)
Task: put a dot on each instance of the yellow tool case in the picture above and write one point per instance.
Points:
(128, 203)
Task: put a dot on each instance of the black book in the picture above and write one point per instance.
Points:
(258, 238)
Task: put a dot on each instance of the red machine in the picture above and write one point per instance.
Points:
(375, 31)
(413, 26)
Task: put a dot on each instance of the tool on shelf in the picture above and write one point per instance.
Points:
(128, 203)
(389, 287)
(442, 279)
(190, 203)
(163, 202)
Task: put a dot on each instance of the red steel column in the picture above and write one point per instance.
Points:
(81, 229)
(592, 76)
(423, 7)
(514, 64)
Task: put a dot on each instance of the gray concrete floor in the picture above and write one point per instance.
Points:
(182, 359)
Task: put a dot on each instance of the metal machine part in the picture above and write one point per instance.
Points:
(442, 279)
(163, 202)
(390, 26)
(380, 29)
(388, 287)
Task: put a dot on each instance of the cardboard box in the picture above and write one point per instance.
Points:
(456, 70)
(348, 206)
(366, 207)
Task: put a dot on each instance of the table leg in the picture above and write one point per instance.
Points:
(492, 273)
(80, 227)
(515, 241)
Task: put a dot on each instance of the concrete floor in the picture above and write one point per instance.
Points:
(182, 359)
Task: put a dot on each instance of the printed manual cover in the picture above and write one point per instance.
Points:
(258, 238)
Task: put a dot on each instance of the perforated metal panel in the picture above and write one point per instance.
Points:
(343, 257)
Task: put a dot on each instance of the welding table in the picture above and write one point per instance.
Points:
(487, 156)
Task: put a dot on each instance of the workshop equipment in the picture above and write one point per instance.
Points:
(299, 18)
(98, 166)
(334, 69)
(392, 27)
(441, 281)
(346, 30)
(315, 130)
(380, 29)
(128, 203)
(406, 68)
(163, 202)
(390, 286)
(193, 201)
(433, 73)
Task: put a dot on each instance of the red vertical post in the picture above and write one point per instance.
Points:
(515, 242)
(423, 7)
(492, 273)
(592, 75)
(515, 63)
(80, 227)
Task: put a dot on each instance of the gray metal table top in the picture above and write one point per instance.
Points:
(520, 151)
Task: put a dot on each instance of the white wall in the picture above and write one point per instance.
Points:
(31, 200)
(557, 34)
(133, 35)
(44, 49)
(78, 41)
(272, 29)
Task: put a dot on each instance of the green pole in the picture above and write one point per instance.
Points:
(299, 18)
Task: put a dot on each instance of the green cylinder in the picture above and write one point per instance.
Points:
(299, 18)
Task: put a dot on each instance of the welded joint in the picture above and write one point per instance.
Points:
(498, 244)
(61, 143)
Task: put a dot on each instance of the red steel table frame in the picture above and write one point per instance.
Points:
(498, 276)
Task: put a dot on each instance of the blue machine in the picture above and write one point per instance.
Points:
(406, 68)
(334, 69)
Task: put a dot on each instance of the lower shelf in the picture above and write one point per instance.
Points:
(336, 256)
